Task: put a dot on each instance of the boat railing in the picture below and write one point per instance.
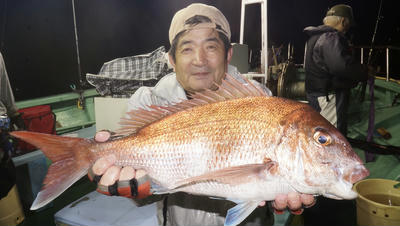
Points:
(388, 50)
(69, 115)
(263, 75)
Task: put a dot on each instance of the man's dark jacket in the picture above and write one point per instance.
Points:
(329, 62)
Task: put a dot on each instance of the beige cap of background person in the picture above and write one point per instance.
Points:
(218, 20)
(342, 10)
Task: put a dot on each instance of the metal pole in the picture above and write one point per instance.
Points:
(362, 56)
(264, 31)
(304, 57)
(242, 14)
(387, 64)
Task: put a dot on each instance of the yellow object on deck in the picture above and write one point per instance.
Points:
(11, 212)
(378, 202)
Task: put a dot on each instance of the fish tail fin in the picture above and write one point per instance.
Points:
(70, 161)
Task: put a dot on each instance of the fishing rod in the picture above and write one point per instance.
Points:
(371, 80)
(79, 90)
(77, 43)
(374, 148)
(364, 85)
(374, 34)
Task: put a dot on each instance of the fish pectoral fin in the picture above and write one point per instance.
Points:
(159, 190)
(236, 174)
(239, 212)
(217, 198)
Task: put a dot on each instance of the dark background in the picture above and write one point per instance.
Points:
(37, 38)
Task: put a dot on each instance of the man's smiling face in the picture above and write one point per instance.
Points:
(200, 59)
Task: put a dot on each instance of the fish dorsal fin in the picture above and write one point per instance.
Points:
(229, 89)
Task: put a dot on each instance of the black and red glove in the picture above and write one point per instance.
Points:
(137, 188)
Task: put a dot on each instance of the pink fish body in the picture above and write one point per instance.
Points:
(235, 143)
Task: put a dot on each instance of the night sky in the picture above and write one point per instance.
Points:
(38, 42)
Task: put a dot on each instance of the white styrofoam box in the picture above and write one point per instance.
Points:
(109, 111)
(102, 210)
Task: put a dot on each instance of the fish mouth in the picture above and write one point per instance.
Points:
(350, 195)
(341, 190)
(332, 196)
(356, 173)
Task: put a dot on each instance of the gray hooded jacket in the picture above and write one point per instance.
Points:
(7, 104)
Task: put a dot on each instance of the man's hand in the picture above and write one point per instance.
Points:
(294, 201)
(114, 180)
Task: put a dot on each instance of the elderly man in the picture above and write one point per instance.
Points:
(200, 54)
(331, 69)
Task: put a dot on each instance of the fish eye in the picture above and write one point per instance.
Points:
(322, 138)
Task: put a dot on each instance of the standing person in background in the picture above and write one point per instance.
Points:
(8, 110)
(331, 70)
(200, 54)
(7, 103)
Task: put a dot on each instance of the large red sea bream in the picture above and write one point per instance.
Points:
(236, 143)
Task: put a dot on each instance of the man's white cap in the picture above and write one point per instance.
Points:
(218, 20)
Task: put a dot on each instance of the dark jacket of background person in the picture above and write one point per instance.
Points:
(329, 62)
